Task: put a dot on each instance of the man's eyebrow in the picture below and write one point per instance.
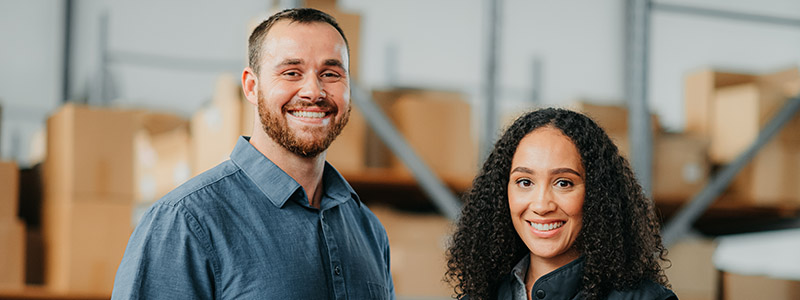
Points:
(290, 62)
(334, 63)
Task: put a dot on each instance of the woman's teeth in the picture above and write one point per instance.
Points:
(308, 114)
(546, 227)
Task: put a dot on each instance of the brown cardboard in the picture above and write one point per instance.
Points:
(418, 243)
(612, 118)
(770, 178)
(12, 253)
(216, 127)
(9, 189)
(84, 241)
(741, 111)
(699, 97)
(741, 287)
(90, 151)
(162, 155)
(614, 121)
(348, 152)
(681, 167)
(437, 125)
(691, 270)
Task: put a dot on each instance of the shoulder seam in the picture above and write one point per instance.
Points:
(197, 230)
(180, 200)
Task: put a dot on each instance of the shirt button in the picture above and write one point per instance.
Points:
(540, 294)
(337, 270)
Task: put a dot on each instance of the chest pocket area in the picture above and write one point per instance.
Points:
(372, 290)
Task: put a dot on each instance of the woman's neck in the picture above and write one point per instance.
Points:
(540, 266)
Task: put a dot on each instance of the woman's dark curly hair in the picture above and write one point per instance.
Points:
(620, 237)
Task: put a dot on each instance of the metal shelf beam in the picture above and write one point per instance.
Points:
(691, 211)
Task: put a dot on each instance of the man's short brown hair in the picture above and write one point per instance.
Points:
(300, 15)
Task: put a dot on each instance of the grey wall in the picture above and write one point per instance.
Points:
(433, 44)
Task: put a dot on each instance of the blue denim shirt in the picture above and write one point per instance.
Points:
(245, 230)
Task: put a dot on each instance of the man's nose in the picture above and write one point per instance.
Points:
(312, 89)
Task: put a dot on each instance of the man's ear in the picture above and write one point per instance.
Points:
(250, 85)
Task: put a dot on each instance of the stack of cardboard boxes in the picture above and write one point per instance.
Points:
(436, 124)
(729, 110)
(216, 126)
(100, 164)
(680, 163)
(89, 192)
(12, 229)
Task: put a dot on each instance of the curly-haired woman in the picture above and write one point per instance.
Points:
(556, 213)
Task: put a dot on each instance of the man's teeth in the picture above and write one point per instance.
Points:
(546, 227)
(308, 114)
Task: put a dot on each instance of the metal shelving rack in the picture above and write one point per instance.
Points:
(637, 45)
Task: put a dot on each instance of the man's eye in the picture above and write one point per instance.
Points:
(331, 75)
(291, 74)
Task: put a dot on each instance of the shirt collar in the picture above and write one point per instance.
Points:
(561, 283)
(266, 175)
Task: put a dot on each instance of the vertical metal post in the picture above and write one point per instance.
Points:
(536, 83)
(67, 50)
(639, 126)
(99, 94)
(489, 133)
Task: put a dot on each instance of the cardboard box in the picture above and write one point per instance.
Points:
(216, 127)
(84, 242)
(699, 90)
(770, 178)
(681, 167)
(9, 189)
(162, 155)
(90, 152)
(741, 287)
(12, 253)
(349, 151)
(436, 124)
(614, 121)
(418, 243)
(691, 270)
(740, 113)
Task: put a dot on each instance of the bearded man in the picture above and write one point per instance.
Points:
(276, 221)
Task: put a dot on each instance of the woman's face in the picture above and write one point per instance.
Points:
(545, 194)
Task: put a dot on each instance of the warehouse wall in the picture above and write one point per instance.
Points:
(30, 70)
(435, 44)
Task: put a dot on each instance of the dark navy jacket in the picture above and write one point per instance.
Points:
(564, 283)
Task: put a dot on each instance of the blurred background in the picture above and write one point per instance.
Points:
(107, 105)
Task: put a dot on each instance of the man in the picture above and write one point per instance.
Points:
(275, 221)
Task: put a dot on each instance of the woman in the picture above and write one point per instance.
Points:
(556, 213)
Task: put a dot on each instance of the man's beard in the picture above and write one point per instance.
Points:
(277, 128)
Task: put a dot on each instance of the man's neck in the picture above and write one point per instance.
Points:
(306, 171)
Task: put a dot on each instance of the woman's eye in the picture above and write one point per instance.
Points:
(563, 183)
(524, 183)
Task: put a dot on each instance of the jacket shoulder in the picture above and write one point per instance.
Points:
(645, 290)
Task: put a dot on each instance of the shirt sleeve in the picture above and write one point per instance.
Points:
(390, 283)
(167, 257)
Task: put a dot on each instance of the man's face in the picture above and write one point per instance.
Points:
(304, 89)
